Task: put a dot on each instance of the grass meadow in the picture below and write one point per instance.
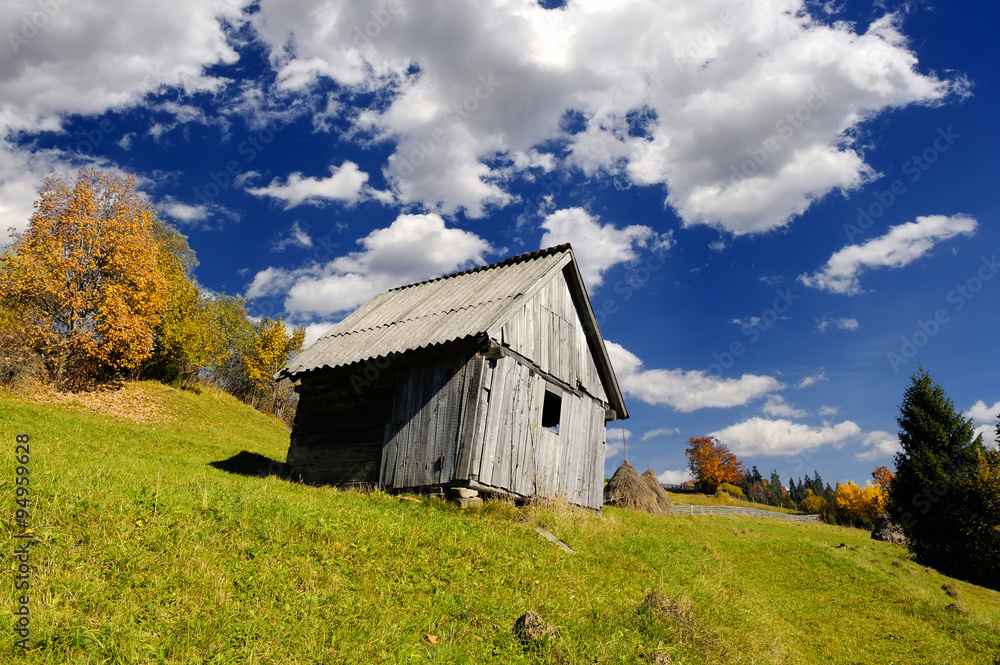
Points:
(146, 552)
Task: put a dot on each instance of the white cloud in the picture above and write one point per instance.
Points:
(812, 380)
(662, 431)
(840, 323)
(760, 436)
(297, 237)
(314, 331)
(675, 477)
(685, 390)
(195, 215)
(828, 411)
(880, 445)
(344, 184)
(747, 109)
(777, 406)
(411, 249)
(89, 58)
(902, 245)
(984, 417)
(597, 246)
(615, 440)
(980, 412)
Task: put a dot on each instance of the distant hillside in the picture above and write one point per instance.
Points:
(148, 551)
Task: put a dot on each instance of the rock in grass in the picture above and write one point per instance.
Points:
(530, 627)
(888, 531)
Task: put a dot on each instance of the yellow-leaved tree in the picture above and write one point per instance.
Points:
(274, 345)
(188, 338)
(84, 274)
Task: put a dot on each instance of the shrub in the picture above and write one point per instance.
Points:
(731, 489)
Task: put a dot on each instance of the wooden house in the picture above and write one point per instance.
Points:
(495, 379)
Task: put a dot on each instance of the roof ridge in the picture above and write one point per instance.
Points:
(520, 258)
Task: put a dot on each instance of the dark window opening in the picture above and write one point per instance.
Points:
(551, 410)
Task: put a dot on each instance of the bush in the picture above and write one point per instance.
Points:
(732, 490)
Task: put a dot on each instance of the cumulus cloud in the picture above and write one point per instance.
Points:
(984, 417)
(614, 442)
(685, 391)
(746, 124)
(828, 411)
(902, 245)
(777, 406)
(878, 445)
(411, 249)
(674, 477)
(92, 57)
(344, 184)
(760, 436)
(598, 246)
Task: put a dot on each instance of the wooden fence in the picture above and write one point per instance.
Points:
(746, 512)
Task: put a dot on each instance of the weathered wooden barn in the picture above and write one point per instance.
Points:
(495, 379)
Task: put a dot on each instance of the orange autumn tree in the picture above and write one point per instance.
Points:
(84, 275)
(712, 463)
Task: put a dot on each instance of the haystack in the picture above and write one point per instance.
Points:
(627, 489)
(666, 505)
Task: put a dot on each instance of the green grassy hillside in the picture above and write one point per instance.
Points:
(147, 553)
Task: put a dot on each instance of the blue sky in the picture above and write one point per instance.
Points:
(779, 207)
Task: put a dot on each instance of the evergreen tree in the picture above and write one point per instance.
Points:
(775, 494)
(932, 495)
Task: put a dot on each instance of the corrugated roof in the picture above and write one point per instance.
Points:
(450, 308)
(434, 312)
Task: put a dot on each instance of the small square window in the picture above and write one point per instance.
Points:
(552, 410)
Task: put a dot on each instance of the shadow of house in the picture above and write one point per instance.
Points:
(246, 463)
(495, 379)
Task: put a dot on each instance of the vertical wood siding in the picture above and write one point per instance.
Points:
(339, 425)
(518, 455)
(431, 406)
(548, 330)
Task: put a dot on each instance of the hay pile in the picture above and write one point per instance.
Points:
(662, 498)
(627, 489)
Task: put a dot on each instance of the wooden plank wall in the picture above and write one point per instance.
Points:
(429, 418)
(518, 455)
(340, 426)
(548, 330)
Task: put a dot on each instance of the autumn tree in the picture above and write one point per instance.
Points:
(274, 345)
(84, 274)
(189, 339)
(859, 506)
(712, 463)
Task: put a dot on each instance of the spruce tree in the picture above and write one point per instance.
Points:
(931, 491)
